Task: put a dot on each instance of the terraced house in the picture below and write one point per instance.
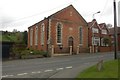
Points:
(99, 39)
(64, 32)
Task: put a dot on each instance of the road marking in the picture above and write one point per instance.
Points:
(59, 69)
(4, 76)
(22, 74)
(48, 70)
(7, 76)
(34, 72)
(69, 67)
(39, 72)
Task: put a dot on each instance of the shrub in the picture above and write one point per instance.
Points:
(24, 54)
(17, 49)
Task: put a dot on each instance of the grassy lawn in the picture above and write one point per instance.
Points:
(8, 38)
(110, 70)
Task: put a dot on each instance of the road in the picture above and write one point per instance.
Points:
(54, 67)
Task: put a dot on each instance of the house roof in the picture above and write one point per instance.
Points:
(65, 9)
(61, 11)
(92, 23)
(112, 30)
(102, 25)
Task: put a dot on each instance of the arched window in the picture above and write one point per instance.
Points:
(36, 35)
(59, 33)
(42, 33)
(81, 35)
(31, 37)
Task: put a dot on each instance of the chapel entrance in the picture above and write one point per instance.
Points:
(71, 42)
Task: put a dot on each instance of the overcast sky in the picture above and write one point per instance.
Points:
(20, 14)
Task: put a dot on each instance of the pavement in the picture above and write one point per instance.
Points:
(54, 67)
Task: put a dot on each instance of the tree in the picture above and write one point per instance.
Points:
(19, 37)
(14, 30)
(106, 41)
(25, 37)
(109, 25)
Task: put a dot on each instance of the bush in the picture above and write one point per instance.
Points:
(17, 49)
(24, 54)
(45, 54)
(20, 51)
(28, 52)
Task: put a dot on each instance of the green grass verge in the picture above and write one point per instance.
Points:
(9, 38)
(110, 70)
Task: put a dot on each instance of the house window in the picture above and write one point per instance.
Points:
(95, 30)
(36, 35)
(81, 35)
(104, 31)
(42, 34)
(59, 33)
(96, 41)
(31, 37)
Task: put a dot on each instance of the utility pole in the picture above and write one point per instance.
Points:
(115, 31)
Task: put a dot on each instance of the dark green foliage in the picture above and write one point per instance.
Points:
(17, 37)
(25, 37)
(22, 52)
(106, 41)
(17, 49)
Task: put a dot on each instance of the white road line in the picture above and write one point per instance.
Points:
(69, 67)
(48, 70)
(22, 74)
(38, 71)
(7, 76)
(34, 72)
(59, 68)
(4, 76)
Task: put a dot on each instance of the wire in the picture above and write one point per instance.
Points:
(103, 9)
(37, 14)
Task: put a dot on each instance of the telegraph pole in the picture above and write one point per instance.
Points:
(115, 31)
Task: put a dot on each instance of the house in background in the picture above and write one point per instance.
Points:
(112, 38)
(104, 35)
(56, 33)
(98, 38)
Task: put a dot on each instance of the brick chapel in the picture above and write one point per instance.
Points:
(59, 31)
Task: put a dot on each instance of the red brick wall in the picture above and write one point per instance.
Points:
(105, 49)
(39, 46)
(68, 21)
(74, 22)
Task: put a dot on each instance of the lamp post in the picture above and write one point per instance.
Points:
(95, 13)
(115, 30)
(93, 30)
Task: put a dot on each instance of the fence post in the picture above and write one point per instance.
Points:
(93, 49)
(96, 49)
(90, 50)
(52, 52)
(77, 49)
(70, 50)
